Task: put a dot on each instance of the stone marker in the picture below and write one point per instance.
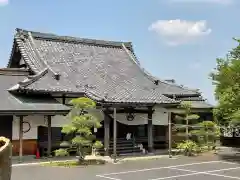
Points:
(5, 159)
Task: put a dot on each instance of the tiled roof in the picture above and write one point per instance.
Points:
(199, 104)
(17, 103)
(107, 70)
(196, 102)
(196, 98)
(169, 88)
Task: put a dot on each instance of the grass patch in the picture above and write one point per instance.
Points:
(142, 158)
(74, 163)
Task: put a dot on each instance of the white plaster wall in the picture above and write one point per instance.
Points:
(59, 121)
(34, 122)
(160, 117)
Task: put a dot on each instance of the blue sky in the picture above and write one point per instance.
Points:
(178, 39)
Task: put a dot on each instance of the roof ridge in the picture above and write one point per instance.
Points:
(32, 79)
(18, 39)
(174, 84)
(149, 76)
(39, 57)
(51, 36)
(178, 85)
(129, 54)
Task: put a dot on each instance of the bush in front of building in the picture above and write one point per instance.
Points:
(195, 135)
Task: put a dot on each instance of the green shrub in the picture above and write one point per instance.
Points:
(75, 163)
(188, 148)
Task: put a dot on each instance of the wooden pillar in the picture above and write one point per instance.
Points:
(49, 124)
(170, 134)
(63, 99)
(20, 138)
(106, 134)
(150, 130)
(115, 134)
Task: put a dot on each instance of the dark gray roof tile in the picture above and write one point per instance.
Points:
(16, 103)
(109, 70)
(200, 104)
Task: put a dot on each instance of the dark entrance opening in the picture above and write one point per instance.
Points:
(6, 126)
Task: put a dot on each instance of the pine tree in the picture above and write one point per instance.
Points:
(207, 134)
(198, 133)
(185, 122)
(80, 126)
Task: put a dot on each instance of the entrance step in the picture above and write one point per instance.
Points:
(123, 146)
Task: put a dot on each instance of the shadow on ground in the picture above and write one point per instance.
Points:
(230, 154)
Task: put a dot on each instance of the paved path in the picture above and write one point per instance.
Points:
(207, 167)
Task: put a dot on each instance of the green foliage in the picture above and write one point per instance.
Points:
(188, 147)
(80, 127)
(199, 134)
(83, 103)
(61, 152)
(185, 123)
(97, 145)
(186, 106)
(192, 117)
(68, 164)
(207, 134)
(226, 79)
(235, 118)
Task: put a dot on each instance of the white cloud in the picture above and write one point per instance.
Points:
(176, 32)
(3, 2)
(205, 1)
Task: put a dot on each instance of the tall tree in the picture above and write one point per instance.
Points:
(226, 78)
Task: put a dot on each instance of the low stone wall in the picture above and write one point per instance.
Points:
(5, 159)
